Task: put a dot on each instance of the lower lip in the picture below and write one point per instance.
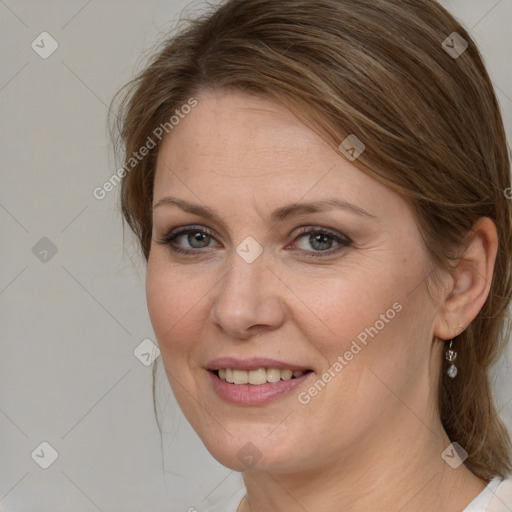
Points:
(248, 394)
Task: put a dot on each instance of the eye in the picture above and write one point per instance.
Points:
(188, 240)
(323, 242)
(313, 242)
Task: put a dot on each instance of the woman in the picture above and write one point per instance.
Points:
(319, 190)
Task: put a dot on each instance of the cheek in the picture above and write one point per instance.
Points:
(340, 306)
(374, 346)
(174, 303)
(371, 314)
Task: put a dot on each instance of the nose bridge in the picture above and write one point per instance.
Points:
(245, 299)
(245, 272)
(242, 288)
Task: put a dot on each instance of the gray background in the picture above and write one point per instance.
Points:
(70, 323)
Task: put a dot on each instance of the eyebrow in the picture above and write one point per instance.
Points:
(277, 215)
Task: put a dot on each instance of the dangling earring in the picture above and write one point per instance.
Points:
(450, 356)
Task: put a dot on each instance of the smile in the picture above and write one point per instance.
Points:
(257, 381)
(257, 377)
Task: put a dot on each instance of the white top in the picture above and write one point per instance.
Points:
(496, 497)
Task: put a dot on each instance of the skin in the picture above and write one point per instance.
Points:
(371, 439)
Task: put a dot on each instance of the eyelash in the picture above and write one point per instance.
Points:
(342, 240)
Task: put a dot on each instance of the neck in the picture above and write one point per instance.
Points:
(397, 469)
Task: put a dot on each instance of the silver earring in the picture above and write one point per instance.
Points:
(450, 356)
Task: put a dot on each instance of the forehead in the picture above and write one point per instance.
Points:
(232, 124)
(240, 149)
(231, 134)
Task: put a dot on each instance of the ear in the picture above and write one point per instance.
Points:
(470, 281)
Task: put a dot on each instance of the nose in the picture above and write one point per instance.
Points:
(247, 300)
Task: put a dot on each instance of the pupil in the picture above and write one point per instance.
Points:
(197, 240)
(320, 242)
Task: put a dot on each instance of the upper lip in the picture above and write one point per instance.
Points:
(253, 363)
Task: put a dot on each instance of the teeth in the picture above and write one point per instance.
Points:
(240, 377)
(286, 374)
(257, 377)
(273, 375)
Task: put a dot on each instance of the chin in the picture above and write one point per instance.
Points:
(252, 448)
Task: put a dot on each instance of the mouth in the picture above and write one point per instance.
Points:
(257, 381)
(257, 377)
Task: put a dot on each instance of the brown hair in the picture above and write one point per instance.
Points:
(429, 120)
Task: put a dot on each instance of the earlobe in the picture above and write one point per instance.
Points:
(470, 280)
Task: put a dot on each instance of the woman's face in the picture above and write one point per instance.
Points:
(293, 261)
